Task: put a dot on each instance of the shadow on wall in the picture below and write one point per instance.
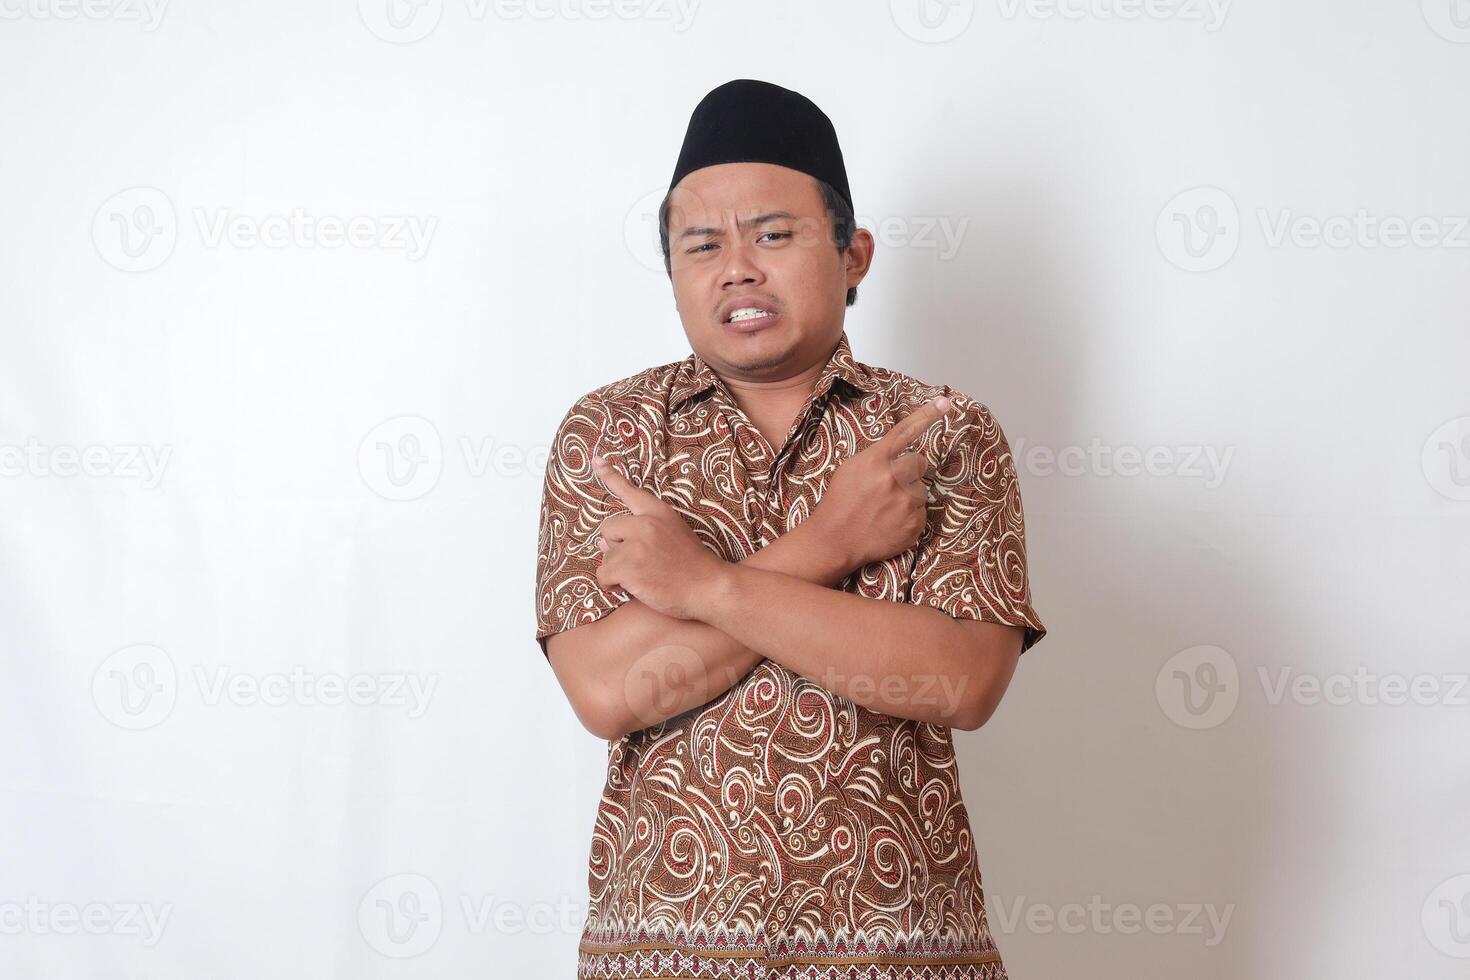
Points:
(1081, 790)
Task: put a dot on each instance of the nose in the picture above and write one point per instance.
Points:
(741, 267)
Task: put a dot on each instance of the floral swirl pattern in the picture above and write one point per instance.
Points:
(780, 830)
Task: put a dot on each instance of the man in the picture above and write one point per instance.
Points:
(775, 578)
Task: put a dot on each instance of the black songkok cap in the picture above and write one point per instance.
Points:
(750, 121)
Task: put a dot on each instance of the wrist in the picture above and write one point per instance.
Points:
(719, 593)
(829, 544)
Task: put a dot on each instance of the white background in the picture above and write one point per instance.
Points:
(1096, 218)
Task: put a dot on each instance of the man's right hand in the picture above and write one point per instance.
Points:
(875, 505)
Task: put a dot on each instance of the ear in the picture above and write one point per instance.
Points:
(858, 258)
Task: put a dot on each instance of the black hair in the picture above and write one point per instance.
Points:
(839, 212)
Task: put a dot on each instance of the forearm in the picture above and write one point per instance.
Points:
(642, 666)
(900, 659)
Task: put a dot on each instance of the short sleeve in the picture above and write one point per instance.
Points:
(574, 504)
(971, 560)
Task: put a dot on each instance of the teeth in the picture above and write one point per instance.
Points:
(747, 313)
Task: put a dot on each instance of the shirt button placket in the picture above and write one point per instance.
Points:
(755, 511)
(752, 505)
(762, 494)
(771, 524)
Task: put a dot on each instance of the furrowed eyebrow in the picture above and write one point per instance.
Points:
(743, 224)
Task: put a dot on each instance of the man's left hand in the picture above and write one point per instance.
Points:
(651, 553)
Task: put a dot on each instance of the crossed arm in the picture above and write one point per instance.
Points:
(635, 666)
(697, 624)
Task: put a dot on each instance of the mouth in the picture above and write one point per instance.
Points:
(748, 319)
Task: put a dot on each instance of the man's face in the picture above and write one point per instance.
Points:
(756, 236)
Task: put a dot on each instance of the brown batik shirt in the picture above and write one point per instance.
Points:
(781, 830)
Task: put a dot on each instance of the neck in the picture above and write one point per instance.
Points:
(794, 388)
(772, 405)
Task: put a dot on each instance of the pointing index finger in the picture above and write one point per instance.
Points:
(635, 498)
(913, 425)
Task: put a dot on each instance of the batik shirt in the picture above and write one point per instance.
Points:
(782, 830)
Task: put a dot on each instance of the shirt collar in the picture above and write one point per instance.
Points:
(695, 376)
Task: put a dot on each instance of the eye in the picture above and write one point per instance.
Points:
(708, 245)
